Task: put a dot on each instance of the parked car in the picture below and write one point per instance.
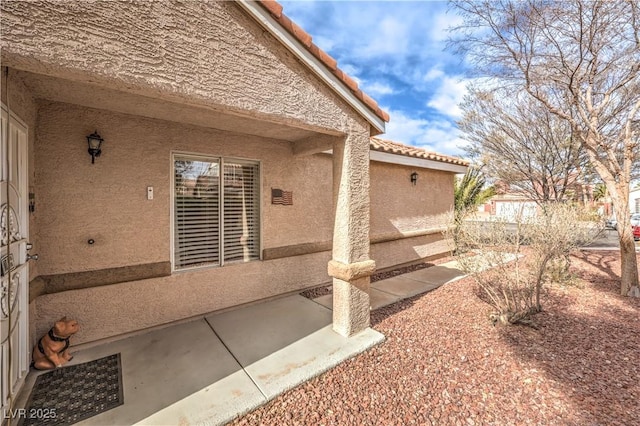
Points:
(612, 223)
(635, 225)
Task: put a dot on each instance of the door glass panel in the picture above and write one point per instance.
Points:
(3, 150)
(14, 157)
(196, 213)
(241, 211)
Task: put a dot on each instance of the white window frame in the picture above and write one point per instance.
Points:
(221, 160)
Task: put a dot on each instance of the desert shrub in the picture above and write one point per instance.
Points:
(553, 235)
(512, 282)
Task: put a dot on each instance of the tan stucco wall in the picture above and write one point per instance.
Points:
(408, 250)
(401, 206)
(207, 53)
(107, 201)
(120, 308)
(201, 54)
(398, 207)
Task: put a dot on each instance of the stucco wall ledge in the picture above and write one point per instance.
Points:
(50, 284)
(394, 236)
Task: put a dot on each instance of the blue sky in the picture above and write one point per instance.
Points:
(396, 52)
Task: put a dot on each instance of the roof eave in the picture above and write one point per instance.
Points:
(264, 18)
(385, 157)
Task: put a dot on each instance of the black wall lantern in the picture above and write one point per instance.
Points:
(95, 143)
(414, 178)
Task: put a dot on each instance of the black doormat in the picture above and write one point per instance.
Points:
(70, 394)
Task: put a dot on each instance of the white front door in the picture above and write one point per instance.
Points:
(14, 273)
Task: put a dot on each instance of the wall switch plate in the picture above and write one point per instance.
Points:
(149, 192)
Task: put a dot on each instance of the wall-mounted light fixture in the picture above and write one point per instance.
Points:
(95, 143)
(414, 178)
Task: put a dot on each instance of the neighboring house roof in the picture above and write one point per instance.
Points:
(383, 145)
(275, 9)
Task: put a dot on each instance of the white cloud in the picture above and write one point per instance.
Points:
(400, 38)
(441, 136)
(433, 74)
(388, 37)
(447, 97)
(441, 24)
(378, 88)
(325, 43)
(404, 129)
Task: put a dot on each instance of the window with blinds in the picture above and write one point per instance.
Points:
(216, 211)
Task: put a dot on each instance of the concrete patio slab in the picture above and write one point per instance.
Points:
(440, 274)
(292, 342)
(216, 404)
(211, 370)
(377, 299)
(326, 301)
(308, 357)
(403, 287)
(256, 331)
(184, 367)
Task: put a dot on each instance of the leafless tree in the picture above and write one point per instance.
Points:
(518, 141)
(581, 60)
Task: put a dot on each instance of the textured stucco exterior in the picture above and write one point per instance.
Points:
(106, 202)
(126, 307)
(202, 53)
(194, 77)
(400, 208)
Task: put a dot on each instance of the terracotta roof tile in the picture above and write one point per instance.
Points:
(351, 83)
(370, 101)
(302, 36)
(383, 145)
(285, 22)
(275, 9)
(327, 59)
(383, 114)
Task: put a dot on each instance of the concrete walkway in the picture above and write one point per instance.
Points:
(211, 370)
(391, 290)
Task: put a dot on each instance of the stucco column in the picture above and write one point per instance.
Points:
(351, 266)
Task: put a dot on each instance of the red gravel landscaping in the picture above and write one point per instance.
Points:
(444, 363)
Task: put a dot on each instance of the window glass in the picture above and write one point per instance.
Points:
(213, 226)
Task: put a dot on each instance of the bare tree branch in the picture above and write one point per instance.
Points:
(580, 59)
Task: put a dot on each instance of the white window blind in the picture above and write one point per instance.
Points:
(213, 227)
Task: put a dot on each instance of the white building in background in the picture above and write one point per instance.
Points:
(634, 200)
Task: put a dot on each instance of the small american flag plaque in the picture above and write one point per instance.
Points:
(284, 198)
